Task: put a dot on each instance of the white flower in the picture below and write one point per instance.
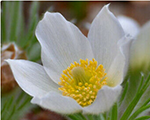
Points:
(130, 26)
(73, 76)
(140, 48)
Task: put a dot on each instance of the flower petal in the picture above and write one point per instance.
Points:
(140, 49)
(31, 77)
(106, 97)
(58, 103)
(129, 25)
(118, 68)
(62, 44)
(104, 34)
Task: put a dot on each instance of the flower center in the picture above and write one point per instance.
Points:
(82, 81)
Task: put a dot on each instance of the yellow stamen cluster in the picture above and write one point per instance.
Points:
(82, 81)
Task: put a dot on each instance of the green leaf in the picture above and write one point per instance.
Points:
(124, 93)
(13, 27)
(90, 117)
(15, 104)
(34, 52)
(147, 101)
(30, 43)
(74, 117)
(141, 83)
(114, 113)
(136, 99)
(30, 38)
(6, 19)
(101, 117)
(33, 12)
(143, 118)
(12, 21)
(16, 8)
(3, 22)
(140, 110)
(77, 116)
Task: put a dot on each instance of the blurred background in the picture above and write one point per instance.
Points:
(18, 23)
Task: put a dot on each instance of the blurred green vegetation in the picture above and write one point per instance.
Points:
(15, 30)
(79, 9)
(15, 105)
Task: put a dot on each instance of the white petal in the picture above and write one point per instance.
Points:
(106, 97)
(118, 68)
(115, 72)
(104, 34)
(140, 50)
(62, 44)
(129, 25)
(58, 103)
(31, 77)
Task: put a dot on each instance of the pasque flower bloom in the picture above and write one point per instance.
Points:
(79, 74)
(140, 48)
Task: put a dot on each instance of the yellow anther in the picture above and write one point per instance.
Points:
(93, 97)
(65, 71)
(84, 104)
(90, 101)
(84, 99)
(83, 87)
(86, 89)
(79, 88)
(94, 86)
(90, 85)
(59, 83)
(81, 81)
(86, 84)
(77, 91)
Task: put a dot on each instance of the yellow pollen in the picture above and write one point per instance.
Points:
(81, 81)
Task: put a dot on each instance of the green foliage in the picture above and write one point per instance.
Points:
(15, 30)
(15, 105)
(78, 116)
(79, 9)
(141, 90)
